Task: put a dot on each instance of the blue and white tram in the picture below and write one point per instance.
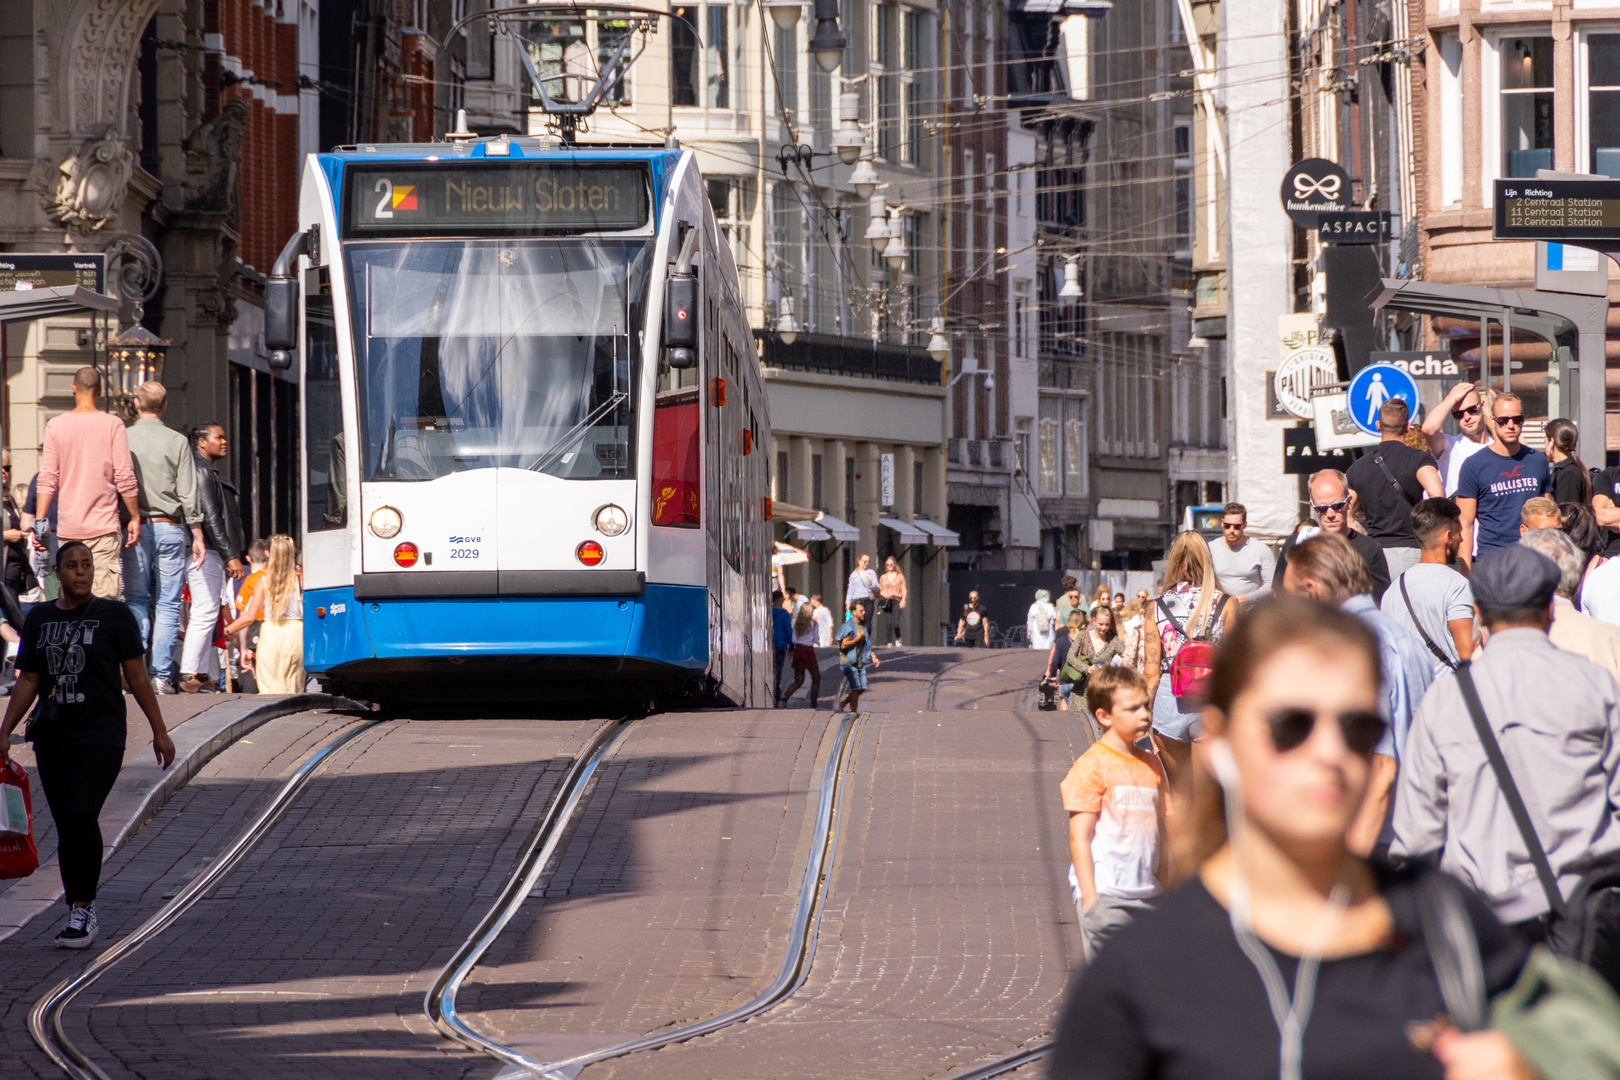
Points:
(534, 430)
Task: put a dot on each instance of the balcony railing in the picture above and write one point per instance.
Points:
(850, 356)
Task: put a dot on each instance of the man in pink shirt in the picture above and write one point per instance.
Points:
(86, 469)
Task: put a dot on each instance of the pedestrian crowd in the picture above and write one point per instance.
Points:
(124, 570)
(1368, 825)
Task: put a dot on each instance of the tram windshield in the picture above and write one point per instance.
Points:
(477, 354)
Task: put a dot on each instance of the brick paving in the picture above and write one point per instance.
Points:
(947, 939)
(673, 900)
(311, 958)
(949, 935)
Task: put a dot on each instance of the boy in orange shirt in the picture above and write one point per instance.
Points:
(1115, 796)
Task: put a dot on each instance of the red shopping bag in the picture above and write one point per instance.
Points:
(18, 855)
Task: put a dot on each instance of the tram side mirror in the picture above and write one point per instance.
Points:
(680, 320)
(281, 320)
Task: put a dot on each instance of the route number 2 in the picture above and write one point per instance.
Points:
(385, 205)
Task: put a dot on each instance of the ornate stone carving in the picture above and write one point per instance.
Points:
(90, 185)
(214, 163)
(97, 55)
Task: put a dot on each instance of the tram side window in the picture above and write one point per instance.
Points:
(324, 485)
(677, 462)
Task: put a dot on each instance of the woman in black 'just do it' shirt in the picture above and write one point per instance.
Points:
(73, 651)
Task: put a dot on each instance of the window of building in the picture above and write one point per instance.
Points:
(817, 502)
(884, 73)
(1181, 227)
(911, 107)
(1526, 104)
(610, 34)
(730, 200)
(1061, 446)
(779, 482)
(787, 74)
(703, 72)
(1020, 321)
(849, 490)
(1074, 446)
(1603, 103)
(916, 487)
(1451, 121)
(969, 245)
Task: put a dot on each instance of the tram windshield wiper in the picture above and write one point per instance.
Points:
(575, 433)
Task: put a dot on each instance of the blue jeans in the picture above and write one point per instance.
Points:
(157, 565)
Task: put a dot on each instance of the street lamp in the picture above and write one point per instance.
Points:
(864, 178)
(787, 327)
(135, 356)
(784, 13)
(938, 347)
(895, 251)
(877, 225)
(827, 46)
(848, 140)
(1071, 279)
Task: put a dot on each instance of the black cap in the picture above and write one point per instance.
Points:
(1513, 577)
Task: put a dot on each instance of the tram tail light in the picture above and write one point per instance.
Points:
(717, 392)
(590, 553)
(747, 441)
(406, 554)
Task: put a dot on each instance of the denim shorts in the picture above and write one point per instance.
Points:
(1173, 717)
(854, 677)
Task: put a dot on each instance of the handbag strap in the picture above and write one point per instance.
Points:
(1174, 622)
(1378, 459)
(1453, 950)
(1510, 790)
(1424, 634)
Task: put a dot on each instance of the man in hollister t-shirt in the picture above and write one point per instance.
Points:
(1496, 482)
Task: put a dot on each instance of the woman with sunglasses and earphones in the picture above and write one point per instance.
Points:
(1283, 954)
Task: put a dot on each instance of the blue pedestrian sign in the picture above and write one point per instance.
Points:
(1371, 387)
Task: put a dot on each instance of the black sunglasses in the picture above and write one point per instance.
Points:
(1232, 524)
(1336, 507)
(1512, 418)
(1360, 730)
(1458, 414)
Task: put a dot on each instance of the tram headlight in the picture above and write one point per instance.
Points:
(386, 522)
(611, 520)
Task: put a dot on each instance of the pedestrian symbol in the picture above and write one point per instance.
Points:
(1372, 386)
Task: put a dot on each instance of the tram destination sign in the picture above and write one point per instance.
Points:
(1558, 210)
(517, 198)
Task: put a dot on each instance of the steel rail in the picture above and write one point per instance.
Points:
(1005, 1064)
(933, 685)
(795, 965)
(45, 1019)
(440, 1001)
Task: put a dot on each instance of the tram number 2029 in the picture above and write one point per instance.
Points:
(463, 553)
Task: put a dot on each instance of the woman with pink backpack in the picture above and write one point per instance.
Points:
(1188, 618)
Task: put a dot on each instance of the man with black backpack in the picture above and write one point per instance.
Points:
(1511, 772)
(1390, 479)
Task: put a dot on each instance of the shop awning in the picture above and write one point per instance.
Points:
(786, 511)
(842, 531)
(906, 532)
(938, 535)
(24, 305)
(809, 530)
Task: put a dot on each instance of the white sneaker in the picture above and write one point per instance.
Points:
(81, 929)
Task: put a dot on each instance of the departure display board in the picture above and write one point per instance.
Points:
(1573, 210)
(522, 198)
(19, 271)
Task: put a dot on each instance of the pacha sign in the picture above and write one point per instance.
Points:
(1419, 363)
(1312, 188)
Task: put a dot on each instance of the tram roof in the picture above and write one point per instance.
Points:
(661, 160)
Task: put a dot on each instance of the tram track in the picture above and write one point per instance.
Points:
(45, 1018)
(440, 1002)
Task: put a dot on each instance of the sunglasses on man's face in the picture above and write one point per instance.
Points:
(1291, 727)
(1332, 507)
(1229, 525)
(1458, 414)
(1516, 419)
